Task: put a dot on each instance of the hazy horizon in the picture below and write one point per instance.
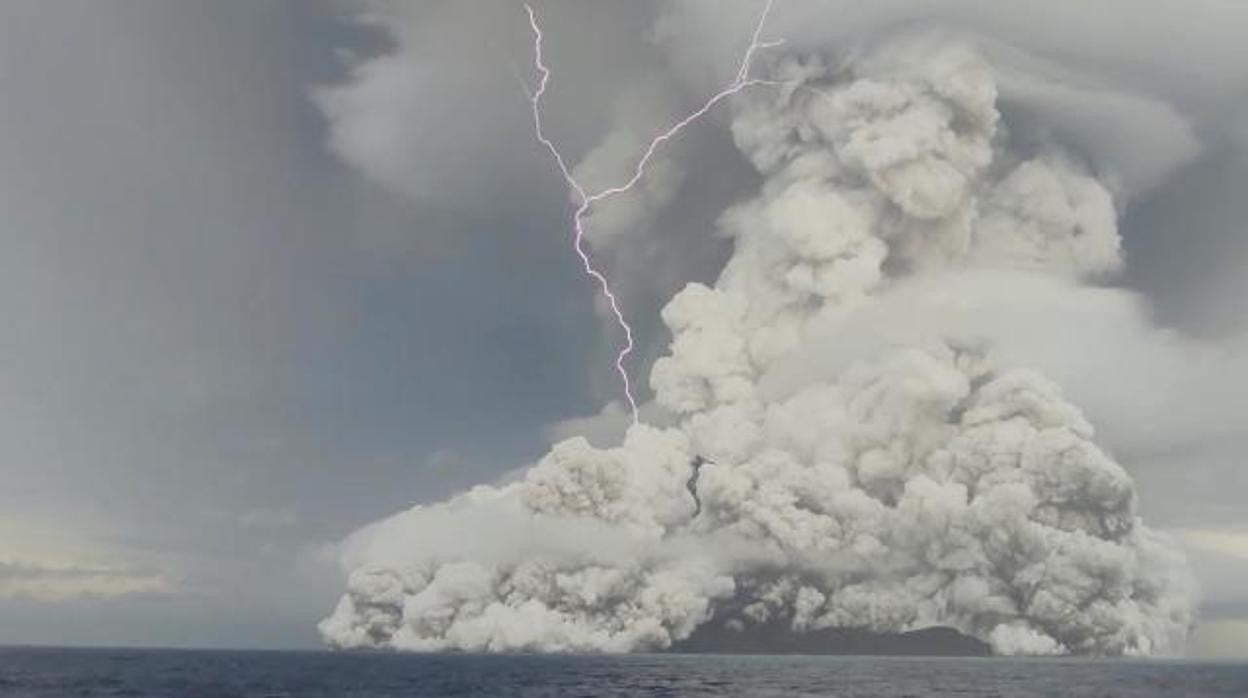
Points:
(278, 272)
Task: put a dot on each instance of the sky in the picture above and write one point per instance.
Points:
(274, 271)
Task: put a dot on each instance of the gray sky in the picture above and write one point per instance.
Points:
(225, 348)
(271, 274)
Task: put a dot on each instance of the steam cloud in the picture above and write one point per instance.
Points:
(917, 480)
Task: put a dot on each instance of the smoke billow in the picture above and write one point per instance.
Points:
(918, 480)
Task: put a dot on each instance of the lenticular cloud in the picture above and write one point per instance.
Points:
(917, 481)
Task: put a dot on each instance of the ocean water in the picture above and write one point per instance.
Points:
(191, 674)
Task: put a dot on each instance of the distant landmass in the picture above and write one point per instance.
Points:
(778, 638)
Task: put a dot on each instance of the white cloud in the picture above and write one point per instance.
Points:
(855, 442)
(48, 562)
(1227, 542)
(63, 582)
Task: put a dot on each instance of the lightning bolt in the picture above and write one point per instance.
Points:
(585, 199)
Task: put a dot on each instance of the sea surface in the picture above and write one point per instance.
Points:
(182, 673)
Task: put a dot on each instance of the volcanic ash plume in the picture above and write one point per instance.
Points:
(916, 482)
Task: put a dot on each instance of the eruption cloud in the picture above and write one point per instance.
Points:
(844, 435)
(585, 200)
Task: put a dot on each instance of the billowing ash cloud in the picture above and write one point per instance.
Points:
(921, 481)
